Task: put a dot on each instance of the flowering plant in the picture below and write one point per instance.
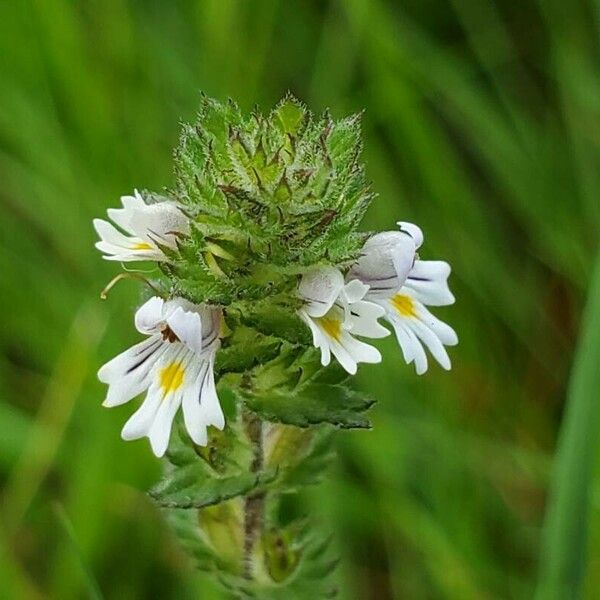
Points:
(265, 277)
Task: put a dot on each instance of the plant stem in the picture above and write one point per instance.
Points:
(254, 504)
(564, 539)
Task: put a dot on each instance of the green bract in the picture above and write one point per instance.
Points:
(269, 197)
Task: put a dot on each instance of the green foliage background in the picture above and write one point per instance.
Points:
(481, 125)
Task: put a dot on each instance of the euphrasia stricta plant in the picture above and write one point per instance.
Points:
(265, 292)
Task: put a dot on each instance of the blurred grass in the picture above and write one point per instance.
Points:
(565, 534)
(481, 125)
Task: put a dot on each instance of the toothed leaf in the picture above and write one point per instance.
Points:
(314, 404)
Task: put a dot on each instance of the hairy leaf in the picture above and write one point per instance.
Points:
(314, 404)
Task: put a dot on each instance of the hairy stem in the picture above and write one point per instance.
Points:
(254, 504)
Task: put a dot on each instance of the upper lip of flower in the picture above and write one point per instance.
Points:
(387, 258)
(414, 231)
(183, 320)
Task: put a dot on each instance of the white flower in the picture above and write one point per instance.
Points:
(387, 258)
(175, 366)
(335, 312)
(146, 227)
(414, 325)
(404, 294)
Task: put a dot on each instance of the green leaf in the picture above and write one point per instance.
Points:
(314, 404)
(245, 349)
(298, 563)
(301, 456)
(193, 487)
(200, 476)
(214, 550)
(278, 321)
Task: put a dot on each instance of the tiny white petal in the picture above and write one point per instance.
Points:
(340, 351)
(433, 343)
(160, 432)
(405, 341)
(360, 351)
(131, 202)
(210, 406)
(354, 291)
(363, 320)
(149, 316)
(192, 398)
(111, 235)
(319, 339)
(122, 216)
(133, 254)
(139, 424)
(123, 363)
(315, 331)
(403, 258)
(429, 281)
(320, 288)
(420, 358)
(446, 334)
(187, 326)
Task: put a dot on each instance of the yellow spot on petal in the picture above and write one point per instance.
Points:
(142, 246)
(404, 305)
(171, 377)
(332, 327)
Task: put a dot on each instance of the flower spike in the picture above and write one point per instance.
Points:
(258, 243)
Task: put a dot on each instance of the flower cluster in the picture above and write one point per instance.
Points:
(387, 281)
(174, 365)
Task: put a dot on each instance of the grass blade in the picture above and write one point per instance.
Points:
(564, 538)
(92, 586)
